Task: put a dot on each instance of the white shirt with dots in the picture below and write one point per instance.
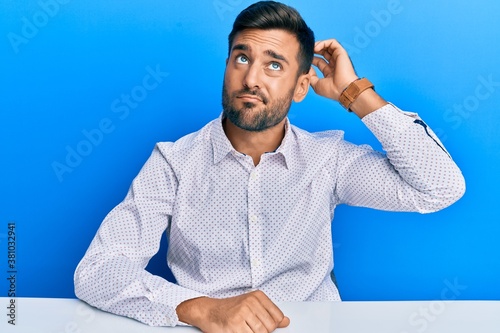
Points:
(234, 227)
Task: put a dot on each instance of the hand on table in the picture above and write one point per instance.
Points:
(252, 312)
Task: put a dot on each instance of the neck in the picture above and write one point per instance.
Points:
(254, 144)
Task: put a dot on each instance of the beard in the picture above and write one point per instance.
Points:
(251, 119)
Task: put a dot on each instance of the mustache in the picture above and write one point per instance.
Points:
(255, 92)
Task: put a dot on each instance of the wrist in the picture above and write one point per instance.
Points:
(367, 102)
(352, 91)
(348, 83)
(191, 310)
(360, 97)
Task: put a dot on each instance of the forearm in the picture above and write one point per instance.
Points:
(418, 158)
(415, 174)
(118, 285)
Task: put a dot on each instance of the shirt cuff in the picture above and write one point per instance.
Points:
(388, 121)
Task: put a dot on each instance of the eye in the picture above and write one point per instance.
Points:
(241, 59)
(275, 66)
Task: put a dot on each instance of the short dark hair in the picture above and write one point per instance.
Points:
(268, 15)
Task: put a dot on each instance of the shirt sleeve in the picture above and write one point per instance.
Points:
(415, 174)
(112, 276)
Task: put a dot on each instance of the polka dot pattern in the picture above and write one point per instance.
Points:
(234, 227)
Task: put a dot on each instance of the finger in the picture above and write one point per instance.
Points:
(326, 44)
(284, 323)
(325, 41)
(324, 52)
(256, 325)
(274, 312)
(260, 318)
(271, 308)
(330, 49)
(325, 55)
(313, 77)
(265, 323)
(322, 65)
(247, 328)
(264, 313)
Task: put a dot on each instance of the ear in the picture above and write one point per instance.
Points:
(301, 88)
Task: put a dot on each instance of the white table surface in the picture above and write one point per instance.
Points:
(51, 315)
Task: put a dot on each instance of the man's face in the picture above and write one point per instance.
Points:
(260, 78)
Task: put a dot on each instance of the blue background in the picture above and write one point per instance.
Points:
(66, 67)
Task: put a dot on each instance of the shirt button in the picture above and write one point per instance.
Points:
(255, 263)
(253, 175)
(253, 218)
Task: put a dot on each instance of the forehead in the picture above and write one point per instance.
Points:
(261, 41)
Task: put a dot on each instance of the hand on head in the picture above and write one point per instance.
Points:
(336, 67)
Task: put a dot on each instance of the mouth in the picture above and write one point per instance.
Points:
(249, 98)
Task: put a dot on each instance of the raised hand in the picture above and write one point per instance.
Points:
(338, 71)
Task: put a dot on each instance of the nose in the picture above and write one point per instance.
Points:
(252, 77)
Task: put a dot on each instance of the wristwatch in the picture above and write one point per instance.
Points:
(353, 90)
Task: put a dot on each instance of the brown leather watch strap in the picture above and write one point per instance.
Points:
(353, 90)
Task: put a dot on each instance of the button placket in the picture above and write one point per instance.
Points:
(254, 227)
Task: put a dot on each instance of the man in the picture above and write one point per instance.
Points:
(247, 201)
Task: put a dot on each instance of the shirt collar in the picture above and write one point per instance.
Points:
(222, 146)
(220, 143)
(285, 148)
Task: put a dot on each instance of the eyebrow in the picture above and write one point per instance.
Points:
(242, 47)
(275, 55)
(271, 53)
